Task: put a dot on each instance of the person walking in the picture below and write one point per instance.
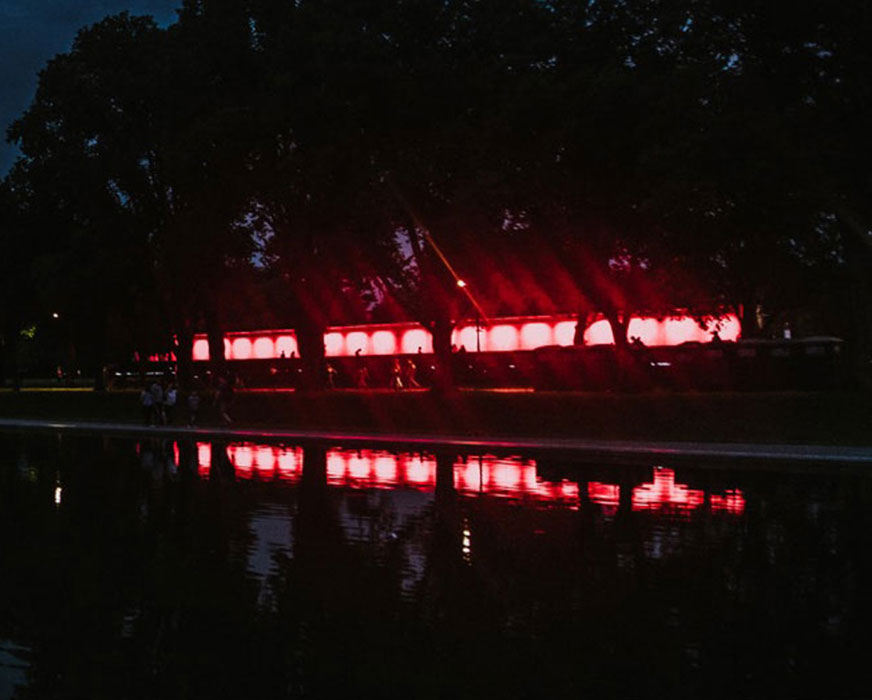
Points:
(146, 400)
(409, 379)
(396, 375)
(157, 397)
(193, 407)
(224, 398)
(170, 403)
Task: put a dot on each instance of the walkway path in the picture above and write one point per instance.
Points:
(588, 449)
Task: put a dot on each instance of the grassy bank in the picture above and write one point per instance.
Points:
(798, 418)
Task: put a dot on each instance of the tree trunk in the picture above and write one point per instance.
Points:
(443, 379)
(100, 356)
(581, 323)
(619, 324)
(313, 360)
(215, 337)
(858, 259)
(185, 357)
(748, 319)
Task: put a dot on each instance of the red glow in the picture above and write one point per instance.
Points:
(417, 338)
(731, 502)
(334, 344)
(505, 477)
(336, 462)
(523, 333)
(599, 333)
(608, 495)
(681, 330)
(648, 330)
(535, 335)
(466, 336)
(503, 338)
(200, 351)
(385, 469)
(204, 458)
(564, 333)
(242, 458)
(286, 344)
(265, 459)
(290, 462)
(420, 471)
(357, 340)
(384, 343)
(264, 348)
(665, 494)
(360, 465)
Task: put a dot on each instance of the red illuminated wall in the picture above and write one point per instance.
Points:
(500, 335)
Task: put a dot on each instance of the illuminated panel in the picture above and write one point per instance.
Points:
(265, 460)
(468, 476)
(564, 333)
(384, 343)
(535, 335)
(385, 468)
(502, 338)
(731, 502)
(356, 340)
(683, 330)
(264, 348)
(240, 349)
(419, 471)
(336, 464)
(648, 330)
(200, 350)
(242, 458)
(417, 338)
(465, 336)
(360, 465)
(731, 329)
(204, 458)
(333, 344)
(599, 333)
(286, 344)
(228, 353)
(289, 461)
(665, 494)
(608, 495)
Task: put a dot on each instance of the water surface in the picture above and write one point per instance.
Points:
(154, 568)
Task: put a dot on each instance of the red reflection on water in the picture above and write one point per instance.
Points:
(731, 502)
(608, 495)
(508, 477)
(204, 458)
(665, 494)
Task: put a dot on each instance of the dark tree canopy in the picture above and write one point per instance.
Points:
(323, 162)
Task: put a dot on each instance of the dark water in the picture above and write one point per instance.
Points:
(178, 570)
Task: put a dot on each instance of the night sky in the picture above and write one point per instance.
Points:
(33, 31)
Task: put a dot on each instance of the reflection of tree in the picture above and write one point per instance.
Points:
(136, 587)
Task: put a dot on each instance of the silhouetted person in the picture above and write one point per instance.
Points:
(146, 400)
(716, 337)
(409, 375)
(363, 377)
(223, 398)
(396, 375)
(170, 403)
(193, 407)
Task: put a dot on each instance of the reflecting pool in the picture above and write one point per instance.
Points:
(174, 569)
